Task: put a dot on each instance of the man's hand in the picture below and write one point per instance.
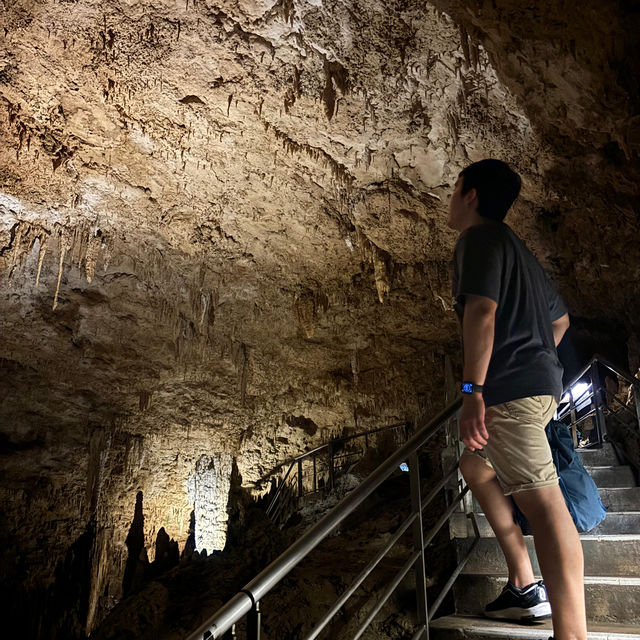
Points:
(472, 428)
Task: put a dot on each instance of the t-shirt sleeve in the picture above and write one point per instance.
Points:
(479, 262)
(557, 307)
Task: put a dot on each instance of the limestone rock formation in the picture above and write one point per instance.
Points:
(222, 237)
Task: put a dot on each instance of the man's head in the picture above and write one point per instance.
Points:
(487, 189)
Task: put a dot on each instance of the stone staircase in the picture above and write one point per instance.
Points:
(612, 566)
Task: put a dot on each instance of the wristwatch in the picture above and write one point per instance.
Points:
(468, 388)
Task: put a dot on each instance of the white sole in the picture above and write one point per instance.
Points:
(539, 612)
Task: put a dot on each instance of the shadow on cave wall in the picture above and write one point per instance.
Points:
(136, 567)
(59, 611)
(138, 570)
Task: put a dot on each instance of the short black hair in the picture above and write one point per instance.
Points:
(496, 184)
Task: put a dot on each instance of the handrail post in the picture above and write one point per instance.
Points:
(315, 473)
(331, 470)
(574, 418)
(299, 477)
(636, 398)
(601, 426)
(418, 542)
(254, 619)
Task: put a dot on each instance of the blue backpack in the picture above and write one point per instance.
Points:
(577, 486)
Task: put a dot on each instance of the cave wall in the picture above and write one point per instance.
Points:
(222, 238)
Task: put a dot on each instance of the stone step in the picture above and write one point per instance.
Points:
(460, 627)
(603, 556)
(620, 499)
(627, 522)
(619, 476)
(615, 499)
(605, 456)
(610, 600)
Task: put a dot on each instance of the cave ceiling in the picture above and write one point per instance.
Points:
(217, 214)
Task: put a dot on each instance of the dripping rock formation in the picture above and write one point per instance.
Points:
(223, 242)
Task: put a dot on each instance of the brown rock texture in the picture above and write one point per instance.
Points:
(223, 239)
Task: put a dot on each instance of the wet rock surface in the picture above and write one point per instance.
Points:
(222, 237)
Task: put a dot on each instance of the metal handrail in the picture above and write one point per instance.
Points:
(327, 446)
(373, 563)
(625, 375)
(592, 394)
(612, 367)
(588, 394)
(280, 488)
(243, 602)
(246, 601)
(623, 406)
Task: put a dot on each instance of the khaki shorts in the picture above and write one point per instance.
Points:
(517, 448)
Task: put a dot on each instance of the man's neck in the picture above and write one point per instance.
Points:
(472, 220)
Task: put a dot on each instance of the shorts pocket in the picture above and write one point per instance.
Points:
(511, 409)
(531, 407)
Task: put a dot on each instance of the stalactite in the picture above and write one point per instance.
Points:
(309, 305)
(244, 374)
(92, 253)
(381, 261)
(41, 255)
(26, 238)
(306, 315)
(63, 250)
(381, 274)
(17, 242)
(355, 367)
(144, 400)
(338, 171)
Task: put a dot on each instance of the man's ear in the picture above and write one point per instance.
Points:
(471, 196)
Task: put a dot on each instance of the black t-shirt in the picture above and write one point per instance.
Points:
(491, 261)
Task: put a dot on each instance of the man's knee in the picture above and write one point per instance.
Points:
(475, 470)
(540, 503)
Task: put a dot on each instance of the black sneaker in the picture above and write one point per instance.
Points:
(526, 605)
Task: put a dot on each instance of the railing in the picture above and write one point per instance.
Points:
(316, 470)
(247, 601)
(589, 398)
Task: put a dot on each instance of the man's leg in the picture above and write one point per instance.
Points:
(560, 555)
(499, 512)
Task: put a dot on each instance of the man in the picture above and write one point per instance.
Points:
(512, 321)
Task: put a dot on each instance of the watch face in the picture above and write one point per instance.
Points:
(467, 387)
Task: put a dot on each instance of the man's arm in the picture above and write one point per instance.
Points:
(478, 328)
(560, 326)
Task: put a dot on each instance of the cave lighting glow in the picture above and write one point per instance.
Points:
(577, 391)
